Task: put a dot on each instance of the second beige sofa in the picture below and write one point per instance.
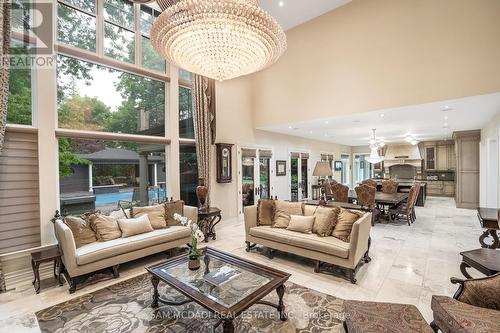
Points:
(321, 249)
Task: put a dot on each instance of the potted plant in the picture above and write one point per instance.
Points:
(196, 236)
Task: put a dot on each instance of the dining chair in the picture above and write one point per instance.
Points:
(366, 198)
(405, 210)
(370, 182)
(390, 186)
(417, 185)
(340, 192)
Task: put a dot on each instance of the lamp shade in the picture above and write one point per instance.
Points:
(322, 169)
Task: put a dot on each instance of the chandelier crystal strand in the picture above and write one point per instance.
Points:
(219, 39)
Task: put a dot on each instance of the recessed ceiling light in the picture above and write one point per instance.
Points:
(382, 115)
(356, 121)
(446, 108)
(326, 122)
(445, 117)
(310, 132)
(281, 3)
(289, 127)
(446, 125)
(326, 135)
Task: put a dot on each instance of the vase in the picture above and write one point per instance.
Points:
(202, 192)
(194, 264)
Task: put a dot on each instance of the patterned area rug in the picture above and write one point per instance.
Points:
(125, 307)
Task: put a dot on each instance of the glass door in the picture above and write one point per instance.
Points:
(299, 176)
(304, 184)
(346, 166)
(248, 186)
(294, 178)
(264, 178)
(362, 169)
(255, 170)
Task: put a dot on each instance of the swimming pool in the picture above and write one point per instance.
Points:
(105, 199)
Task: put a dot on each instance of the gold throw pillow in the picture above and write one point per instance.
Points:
(131, 227)
(284, 210)
(345, 221)
(156, 215)
(326, 219)
(171, 208)
(265, 212)
(106, 228)
(82, 232)
(299, 223)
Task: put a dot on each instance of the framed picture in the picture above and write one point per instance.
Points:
(281, 168)
(338, 165)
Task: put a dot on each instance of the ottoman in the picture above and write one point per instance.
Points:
(371, 317)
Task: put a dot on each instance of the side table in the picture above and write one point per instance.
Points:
(45, 256)
(208, 218)
(488, 217)
(487, 261)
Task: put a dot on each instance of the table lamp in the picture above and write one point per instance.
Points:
(322, 169)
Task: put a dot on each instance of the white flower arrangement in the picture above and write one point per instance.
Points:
(196, 235)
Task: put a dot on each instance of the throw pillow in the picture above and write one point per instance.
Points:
(156, 215)
(131, 227)
(171, 208)
(265, 212)
(299, 223)
(82, 232)
(326, 219)
(106, 228)
(284, 210)
(345, 221)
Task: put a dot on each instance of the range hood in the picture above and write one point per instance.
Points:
(402, 154)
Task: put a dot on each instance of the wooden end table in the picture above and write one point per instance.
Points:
(488, 217)
(487, 261)
(46, 256)
(208, 218)
(228, 300)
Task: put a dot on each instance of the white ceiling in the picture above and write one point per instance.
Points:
(424, 121)
(296, 12)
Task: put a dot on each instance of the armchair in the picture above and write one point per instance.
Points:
(475, 307)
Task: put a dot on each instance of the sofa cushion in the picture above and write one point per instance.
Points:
(265, 212)
(101, 250)
(131, 227)
(156, 215)
(345, 220)
(172, 208)
(81, 230)
(364, 317)
(299, 223)
(327, 245)
(106, 228)
(326, 219)
(284, 210)
(454, 316)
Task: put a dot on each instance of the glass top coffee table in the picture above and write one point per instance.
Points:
(224, 284)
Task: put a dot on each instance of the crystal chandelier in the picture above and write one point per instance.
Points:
(219, 39)
(375, 144)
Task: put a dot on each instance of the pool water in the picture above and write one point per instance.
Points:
(105, 199)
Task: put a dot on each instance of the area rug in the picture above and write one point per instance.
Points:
(125, 307)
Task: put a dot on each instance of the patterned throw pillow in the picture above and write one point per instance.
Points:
(265, 212)
(345, 221)
(284, 210)
(299, 223)
(82, 232)
(156, 215)
(106, 228)
(171, 208)
(326, 219)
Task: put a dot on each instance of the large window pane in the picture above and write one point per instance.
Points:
(184, 75)
(119, 43)
(76, 28)
(97, 98)
(120, 12)
(151, 59)
(147, 19)
(86, 5)
(100, 174)
(21, 19)
(186, 119)
(188, 174)
(19, 106)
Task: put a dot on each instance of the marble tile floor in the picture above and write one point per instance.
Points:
(409, 265)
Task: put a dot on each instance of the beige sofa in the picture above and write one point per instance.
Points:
(93, 257)
(322, 249)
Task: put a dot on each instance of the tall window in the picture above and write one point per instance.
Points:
(96, 173)
(19, 108)
(362, 169)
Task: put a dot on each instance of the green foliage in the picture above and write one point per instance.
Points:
(83, 112)
(67, 159)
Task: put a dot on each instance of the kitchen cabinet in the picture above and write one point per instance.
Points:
(439, 155)
(441, 188)
(430, 157)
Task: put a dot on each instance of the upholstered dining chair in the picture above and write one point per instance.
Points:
(340, 192)
(405, 210)
(327, 190)
(390, 186)
(370, 182)
(366, 198)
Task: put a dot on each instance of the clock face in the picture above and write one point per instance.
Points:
(225, 152)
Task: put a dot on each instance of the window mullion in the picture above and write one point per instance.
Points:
(138, 36)
(100, 28)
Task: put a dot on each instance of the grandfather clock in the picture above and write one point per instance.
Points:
(224, 162)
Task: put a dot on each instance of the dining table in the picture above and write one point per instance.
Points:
(381, 198)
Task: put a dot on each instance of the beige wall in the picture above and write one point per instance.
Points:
(235, 125)
(375, 54)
